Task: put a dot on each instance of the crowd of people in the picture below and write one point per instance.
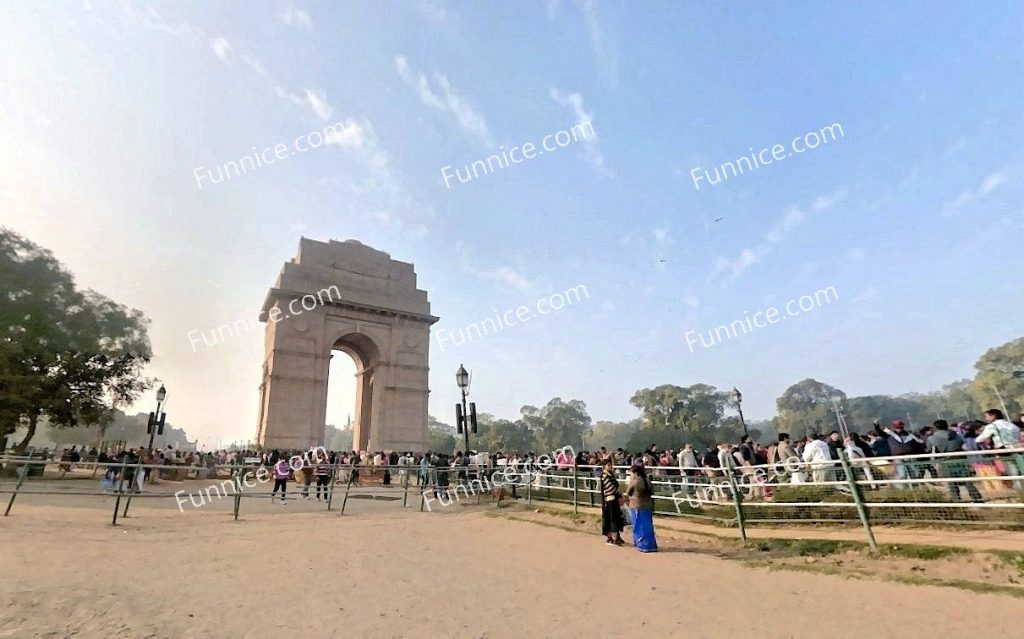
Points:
(813, 457)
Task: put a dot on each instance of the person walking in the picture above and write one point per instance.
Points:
(612, 522)
(424, 475)
(281, 471)
(641, 509)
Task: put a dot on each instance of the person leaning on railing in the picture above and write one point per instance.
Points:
(900, 442)
(945, 441)
(1003, 433)
(1004, 436)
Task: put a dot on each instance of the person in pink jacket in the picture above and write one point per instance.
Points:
(281, 471)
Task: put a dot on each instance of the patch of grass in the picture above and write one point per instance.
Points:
(1012, 557)
(974, 586)
(824, 547)
(806, 547)
(921, 551)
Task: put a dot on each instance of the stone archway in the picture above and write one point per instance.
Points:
(350, 297)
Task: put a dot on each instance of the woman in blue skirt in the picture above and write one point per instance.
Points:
(641, 509)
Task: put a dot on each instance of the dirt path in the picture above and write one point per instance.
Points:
(411, 574)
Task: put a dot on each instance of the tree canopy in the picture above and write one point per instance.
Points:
(66, 354)
(1001, 368)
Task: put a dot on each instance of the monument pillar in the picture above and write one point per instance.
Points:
(349, 297)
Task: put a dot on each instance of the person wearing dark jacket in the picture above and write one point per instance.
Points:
(944, 440)
(901, 442)
(835, 444)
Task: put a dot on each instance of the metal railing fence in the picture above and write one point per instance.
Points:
(963, 488)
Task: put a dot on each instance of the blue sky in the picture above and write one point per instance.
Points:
(913, 215)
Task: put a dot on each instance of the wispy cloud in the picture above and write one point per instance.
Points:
(514, 278)
(420, 83)
(508, 276)
(965, 198)
(591, 145)
(438, 13)
(793, 217)
(295, 17)
(318, 102)
(605, 52)
(221, 48)
(441, 96)
(254, 64)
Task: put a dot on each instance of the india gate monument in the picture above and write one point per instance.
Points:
(350, 297)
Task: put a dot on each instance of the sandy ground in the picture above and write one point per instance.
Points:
(385, 571)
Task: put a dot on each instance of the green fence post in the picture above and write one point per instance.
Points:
(348, 486)
(575, 490)
(501, 489)
(405, 485)
(330, 484)
(120, 486)
(736, 498)
(239, 483)
(17, 485)
(858, 499)
(135, 480)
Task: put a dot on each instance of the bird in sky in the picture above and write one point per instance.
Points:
(719, 219)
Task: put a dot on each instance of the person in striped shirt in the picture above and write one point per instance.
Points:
(612, 521)
(323, 475)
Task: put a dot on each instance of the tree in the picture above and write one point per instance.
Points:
(613, 435)
(338, 438)
(558, 424)
(442, 436)
(69, 355)
(860, 412)
(807, 406)
(1001, 368)
(689, 408)
(121, 427)
(501, 435)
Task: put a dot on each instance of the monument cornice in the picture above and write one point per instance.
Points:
(276, 293)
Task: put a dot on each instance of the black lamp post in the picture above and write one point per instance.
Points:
(156, 420)
(461, 418)
(738, 396)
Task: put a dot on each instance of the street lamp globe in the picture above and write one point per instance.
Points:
(737, 395)
(462, 377)
(161, 394)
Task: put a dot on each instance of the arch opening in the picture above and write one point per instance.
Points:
(350, 385)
